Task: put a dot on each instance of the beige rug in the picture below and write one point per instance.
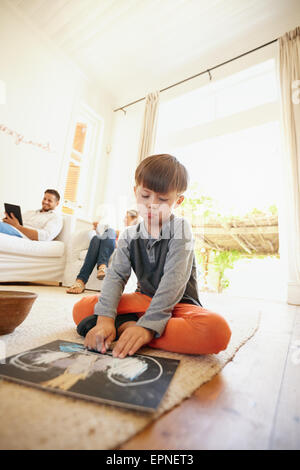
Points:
(34, 419)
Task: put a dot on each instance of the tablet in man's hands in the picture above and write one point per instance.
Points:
(16, 210)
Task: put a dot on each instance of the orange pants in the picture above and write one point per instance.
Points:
(190, 330)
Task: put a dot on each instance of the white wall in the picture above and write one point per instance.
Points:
(43, 92)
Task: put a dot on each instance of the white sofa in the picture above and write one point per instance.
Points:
(27, 260)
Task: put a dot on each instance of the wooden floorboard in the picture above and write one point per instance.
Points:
(238, 408)
(286, 431)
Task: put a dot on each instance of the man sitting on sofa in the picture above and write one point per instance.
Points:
(43, 224)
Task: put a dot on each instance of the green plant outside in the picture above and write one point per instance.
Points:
(221, 260)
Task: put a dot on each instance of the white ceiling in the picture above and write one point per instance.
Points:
(131, 47)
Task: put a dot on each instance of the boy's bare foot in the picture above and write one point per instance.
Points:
(77, 288)
(101, 272)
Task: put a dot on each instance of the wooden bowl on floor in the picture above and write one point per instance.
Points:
(14, 308)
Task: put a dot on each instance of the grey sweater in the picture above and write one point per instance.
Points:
(165, 269)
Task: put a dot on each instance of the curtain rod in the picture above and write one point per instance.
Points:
(122, 108)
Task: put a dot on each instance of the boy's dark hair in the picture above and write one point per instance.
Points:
(53, 191)
(162, 173)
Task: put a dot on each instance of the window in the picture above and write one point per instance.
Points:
(227, 134)
(239, 170)
(239, 92)
(82, 165)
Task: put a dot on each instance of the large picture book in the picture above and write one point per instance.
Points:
(138, 382)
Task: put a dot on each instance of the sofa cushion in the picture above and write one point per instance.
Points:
(23, 246)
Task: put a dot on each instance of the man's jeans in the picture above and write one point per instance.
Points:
(100, 250)
(9, 230)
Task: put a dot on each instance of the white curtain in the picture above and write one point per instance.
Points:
(289, 73)
(149, 126)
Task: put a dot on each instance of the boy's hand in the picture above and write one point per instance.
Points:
(132, 339)
(101, 336)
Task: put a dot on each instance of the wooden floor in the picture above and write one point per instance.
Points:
(254, 403)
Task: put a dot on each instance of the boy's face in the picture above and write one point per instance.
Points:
(156, 208)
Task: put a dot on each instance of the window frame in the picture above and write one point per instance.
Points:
(84, 206)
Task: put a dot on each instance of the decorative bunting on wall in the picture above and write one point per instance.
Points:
(19, 138)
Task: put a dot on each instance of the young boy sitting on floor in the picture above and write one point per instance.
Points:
(165, 311)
